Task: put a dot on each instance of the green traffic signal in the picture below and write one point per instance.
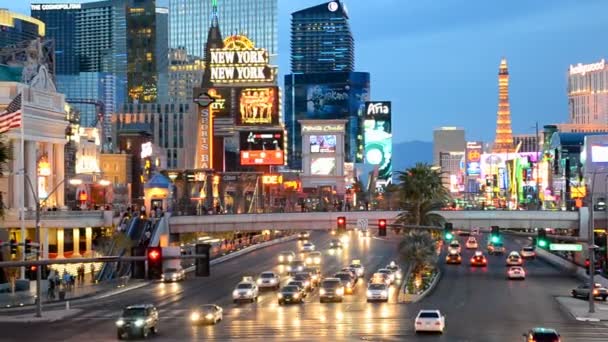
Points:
(449, 236)
(542, 243)
(495, 239)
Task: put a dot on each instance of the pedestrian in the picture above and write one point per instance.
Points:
(51, 291)
(92, 273)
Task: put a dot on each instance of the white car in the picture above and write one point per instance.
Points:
(286, 257)
(207, 313)
(455, 246)
(173, 274)
(389, 273)
(429, 320)
(246, 290)
(269, 279)
(359, 269)
(516, 272)
(377, 292)
(528, 252)
(514, 259)
(472, 243)
(313, 258)
(308, 247)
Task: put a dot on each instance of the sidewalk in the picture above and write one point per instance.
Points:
(47, 316)
(25, 298)
(579, 309)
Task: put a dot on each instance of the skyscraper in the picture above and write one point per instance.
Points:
(321, 40)
(15, 28)
(60, 21)
(588, 93)
(142, 75)
(504, 134)
(189, 22)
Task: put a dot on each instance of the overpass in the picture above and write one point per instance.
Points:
(327, 220)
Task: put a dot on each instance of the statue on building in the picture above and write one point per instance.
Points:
(35, 71)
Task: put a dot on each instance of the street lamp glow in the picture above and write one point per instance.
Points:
(75, 181)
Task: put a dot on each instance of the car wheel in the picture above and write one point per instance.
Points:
(604, 298)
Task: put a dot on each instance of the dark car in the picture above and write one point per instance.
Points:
(299, 285)
(583, 292)
(335, 244)
(347, 281)
(290, 294)
(137, 320)
(306, 278)
(331, 289)
(542, 335)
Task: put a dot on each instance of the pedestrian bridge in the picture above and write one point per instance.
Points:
(327, 220)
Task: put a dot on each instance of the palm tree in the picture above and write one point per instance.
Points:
(418, 249)
(421, 191)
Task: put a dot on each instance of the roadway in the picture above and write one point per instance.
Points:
(481, 305)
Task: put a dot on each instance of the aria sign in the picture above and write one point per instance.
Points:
(585, 68)
(376, 108)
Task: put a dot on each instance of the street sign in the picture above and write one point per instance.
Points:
(204, 100)
(572, 247)
(362, 223)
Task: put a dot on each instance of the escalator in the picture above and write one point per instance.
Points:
(124, 268)
(135, 231)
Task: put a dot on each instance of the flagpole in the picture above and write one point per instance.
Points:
(22, 197)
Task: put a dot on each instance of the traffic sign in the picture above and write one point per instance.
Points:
(362, 223)
(572, 247)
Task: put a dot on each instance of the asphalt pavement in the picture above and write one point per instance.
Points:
(480, 304)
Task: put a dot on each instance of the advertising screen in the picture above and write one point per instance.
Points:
(322, 144)
(323, 166)
(261, 147)
(379, 145)
(473, 158)
(222, 106)
(258, 106)
(326, 101)
(599, 154)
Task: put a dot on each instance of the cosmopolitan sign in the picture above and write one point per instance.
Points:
(51, 7)
(585, 68)
(234, 65)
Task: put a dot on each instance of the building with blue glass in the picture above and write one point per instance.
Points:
(189, 22)
(16, 28)
(321, 40)
(60, 21)
(324, 96)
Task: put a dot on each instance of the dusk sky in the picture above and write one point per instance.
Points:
(437, 60)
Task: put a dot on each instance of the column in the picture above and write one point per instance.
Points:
(88, 233)
(17, 190)
(60, 241)
(31, 170)
(52, 179)
(76, 241)
(44, 235)
(58, 169)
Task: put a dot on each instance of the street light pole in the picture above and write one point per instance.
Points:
(591, 243)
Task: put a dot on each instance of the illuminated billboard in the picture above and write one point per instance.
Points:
(322, 143)
(258, 106)
(240, 61)
(473, 158)
(378, 137)
(323, 166)
(222, 106)
(261, 147)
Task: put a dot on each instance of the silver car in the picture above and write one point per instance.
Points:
(173, 274)
(377, 292)
(269, 279)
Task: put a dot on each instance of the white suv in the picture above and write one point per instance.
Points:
(246, 290)
(269, 279)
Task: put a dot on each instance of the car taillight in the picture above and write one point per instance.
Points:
(437, 323)
(472, 259)
(418, 322)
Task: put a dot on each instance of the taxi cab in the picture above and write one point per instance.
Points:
(479, 259)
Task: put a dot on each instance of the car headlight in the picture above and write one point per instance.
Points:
(384, 293)
(399, 275)
(120, 323)
(290, 258)
(259, 281)
(317, 260)
(308, 260)
(369, 293)
(288, 268)
(249, 292)
(349, 285)
(235, 293)
(174, 276)
(209, 316)
(340, 292)
(280, 258)
(280, 295)
(273, 280)
(195, 316)
(296, 295)
(139, 323)
(321, 292)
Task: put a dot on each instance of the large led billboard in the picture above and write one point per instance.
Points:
(222, 106)
(323, 166)
(258, 106)
(378, 137)
(261, 147)
(473, 158)
(322, 143)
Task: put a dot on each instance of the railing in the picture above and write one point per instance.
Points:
(61, 214)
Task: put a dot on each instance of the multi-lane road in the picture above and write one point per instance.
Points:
(480, 304)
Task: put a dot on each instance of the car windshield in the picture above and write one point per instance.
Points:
(290, 289)
(208, 308)
(296, 263)
(244, 286)
(267, 275)
(295, 283)
(170, 270)
(330, 284)
(384, 271)
(545, 337)
(454, 243)
(377, 287)
(429, 315)
(134, 312)
(286, 253)
(300, 276)
(529, 249)
(343, 276)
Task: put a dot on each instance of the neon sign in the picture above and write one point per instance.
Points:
(323, 128)
(585, 68)
(239, 61)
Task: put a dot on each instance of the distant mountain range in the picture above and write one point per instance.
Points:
(408, 153)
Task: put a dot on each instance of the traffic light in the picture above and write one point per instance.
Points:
(495, 234)
(341, 224)
(154, 255)
(448, 229)
(203, 267)
(28, 246)
(13, 246)
(138, 267)
(32, 272)
(541, 239)
(381, 227)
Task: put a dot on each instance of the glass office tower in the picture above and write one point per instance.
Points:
(321, 40)
(60, 24)
(189, 22)
(141, 50)
(16, 28)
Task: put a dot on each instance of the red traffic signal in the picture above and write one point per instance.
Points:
(341, 220)
(382, 223)
(153, 254)
(587, 263)
(33, 268)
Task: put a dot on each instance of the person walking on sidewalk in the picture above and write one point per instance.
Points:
(50, 295)
(92, 273)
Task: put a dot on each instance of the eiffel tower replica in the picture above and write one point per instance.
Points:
(504, 133)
